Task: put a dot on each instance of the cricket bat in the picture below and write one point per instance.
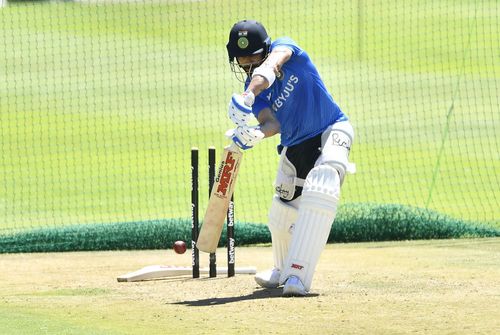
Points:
(220, 196)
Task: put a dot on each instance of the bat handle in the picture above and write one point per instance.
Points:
(233, 147)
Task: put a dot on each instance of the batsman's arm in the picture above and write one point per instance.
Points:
(247, 137)
(264, 75)
(269, 125)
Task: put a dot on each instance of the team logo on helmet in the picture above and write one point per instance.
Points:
(243, 42)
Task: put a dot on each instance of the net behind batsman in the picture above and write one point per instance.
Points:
(284, 91)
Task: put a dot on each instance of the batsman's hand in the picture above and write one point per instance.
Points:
(245, 137)
(240, 108)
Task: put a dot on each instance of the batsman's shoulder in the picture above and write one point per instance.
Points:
(288, 43)
(284, 41)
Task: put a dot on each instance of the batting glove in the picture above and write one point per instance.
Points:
(239, 109)
(245, 137)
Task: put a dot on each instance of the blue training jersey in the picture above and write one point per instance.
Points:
(299, 99)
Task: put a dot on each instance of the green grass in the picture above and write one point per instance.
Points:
(100, 105)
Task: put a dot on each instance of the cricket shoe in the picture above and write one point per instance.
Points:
(294, 287)
(269, 278)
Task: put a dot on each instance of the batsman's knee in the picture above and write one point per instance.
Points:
(281, 217)
(322, 188)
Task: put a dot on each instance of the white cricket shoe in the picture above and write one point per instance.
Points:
(269, 278)
(294, 287)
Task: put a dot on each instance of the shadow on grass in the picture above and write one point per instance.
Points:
(257, 294)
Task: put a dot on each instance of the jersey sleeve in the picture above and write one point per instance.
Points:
(288, 43)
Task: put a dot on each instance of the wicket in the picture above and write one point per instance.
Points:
(164, 271)
(195, 218)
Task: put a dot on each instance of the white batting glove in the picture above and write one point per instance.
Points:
(245, 137)
(238, 111)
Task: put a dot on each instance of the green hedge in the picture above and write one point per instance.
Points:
(375, 222)
(354, 223)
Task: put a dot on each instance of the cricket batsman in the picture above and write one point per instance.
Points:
(284, 91)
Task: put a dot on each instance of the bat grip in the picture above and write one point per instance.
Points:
(233, 147)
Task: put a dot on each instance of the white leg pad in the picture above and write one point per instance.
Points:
(317, 211)
(282, 216)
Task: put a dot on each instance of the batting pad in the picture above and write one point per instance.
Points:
(281, 219)
(316, 214)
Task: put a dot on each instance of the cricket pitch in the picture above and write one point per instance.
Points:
(422, 287)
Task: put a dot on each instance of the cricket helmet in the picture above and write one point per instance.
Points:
(247, 38)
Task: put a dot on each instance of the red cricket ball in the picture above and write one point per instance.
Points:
(180, 247)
